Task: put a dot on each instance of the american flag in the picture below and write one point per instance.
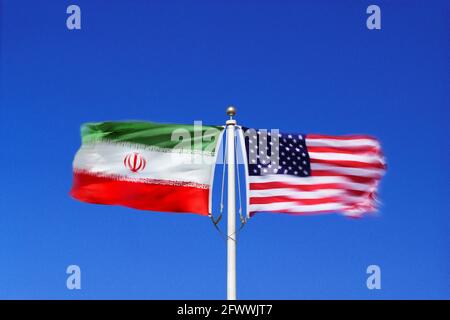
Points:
(312, 173)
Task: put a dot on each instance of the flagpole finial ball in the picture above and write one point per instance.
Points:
(231, 111)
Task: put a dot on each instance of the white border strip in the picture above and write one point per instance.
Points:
(211, 181)
(247, 180)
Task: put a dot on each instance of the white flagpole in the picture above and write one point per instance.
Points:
(231, 206)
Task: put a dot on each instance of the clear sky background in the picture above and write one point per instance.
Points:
(302, 66)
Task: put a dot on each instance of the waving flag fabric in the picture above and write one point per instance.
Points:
(311, 174)
(145, 165)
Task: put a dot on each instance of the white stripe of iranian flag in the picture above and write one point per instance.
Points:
(107, 158)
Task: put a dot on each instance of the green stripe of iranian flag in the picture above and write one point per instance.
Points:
(145, 165)
(153, 134)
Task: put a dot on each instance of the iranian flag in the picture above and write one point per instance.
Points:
(146, 165)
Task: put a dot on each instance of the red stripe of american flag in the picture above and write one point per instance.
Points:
(345, 173)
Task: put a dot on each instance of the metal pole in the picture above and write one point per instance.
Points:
(231, 206)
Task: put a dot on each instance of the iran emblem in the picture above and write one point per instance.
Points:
(135, 162)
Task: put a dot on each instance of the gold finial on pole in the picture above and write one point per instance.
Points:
(231, 111)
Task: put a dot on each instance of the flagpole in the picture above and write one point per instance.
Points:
(231, 207)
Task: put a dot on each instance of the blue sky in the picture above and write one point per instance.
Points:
(302, 66)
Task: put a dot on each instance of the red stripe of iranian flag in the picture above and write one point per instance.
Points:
(145, 165)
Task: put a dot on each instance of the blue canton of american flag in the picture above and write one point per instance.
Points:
(283, 154)
(311, 174)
